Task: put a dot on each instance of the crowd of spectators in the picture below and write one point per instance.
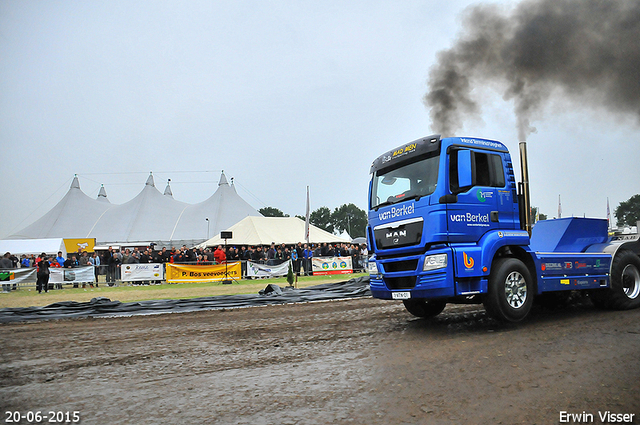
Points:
(109, 262)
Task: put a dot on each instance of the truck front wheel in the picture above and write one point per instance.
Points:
(510, 294)
(424, 308)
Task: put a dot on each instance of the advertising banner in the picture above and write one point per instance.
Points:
(331, 265)
(16, 276)
(262, 270)
(142, 272)
(79, 274)
(177, 273)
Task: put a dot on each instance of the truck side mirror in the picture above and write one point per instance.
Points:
(465, 168)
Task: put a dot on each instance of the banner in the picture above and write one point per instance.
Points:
(177, 273)
(262, 270)
(331, 265)
(142, 272)
(74, 245)
(16, 276)
(78, 274)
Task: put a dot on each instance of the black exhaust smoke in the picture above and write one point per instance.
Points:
(584, 50)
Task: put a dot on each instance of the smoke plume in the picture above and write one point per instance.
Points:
(583, 50)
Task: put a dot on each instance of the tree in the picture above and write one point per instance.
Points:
(350, 218)
(272, 212)
(321, 218)
(290, 275)
(628, 212)
(541, 216)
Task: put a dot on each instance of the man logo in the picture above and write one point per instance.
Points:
(396, 235)
(468, 261)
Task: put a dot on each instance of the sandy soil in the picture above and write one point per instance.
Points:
(361, 361)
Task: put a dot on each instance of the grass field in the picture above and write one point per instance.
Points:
(28, 296)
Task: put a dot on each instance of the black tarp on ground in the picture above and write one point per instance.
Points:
(273, 294)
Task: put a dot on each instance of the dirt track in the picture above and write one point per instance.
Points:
(360, 361)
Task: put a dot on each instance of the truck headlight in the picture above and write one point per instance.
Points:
(373, 268)
(433, 262)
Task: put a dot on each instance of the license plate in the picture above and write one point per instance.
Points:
(401, 295)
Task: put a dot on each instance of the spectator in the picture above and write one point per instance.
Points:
(94, 260)
(42, 274)
(125, 256)
(219, 255)
(113, 262)
(163, 255)
(60, 259)
(84, 259)
(279, 258)
(271, 254)
(145, 258)
(307, 256)
(258, 255)
(5, 263)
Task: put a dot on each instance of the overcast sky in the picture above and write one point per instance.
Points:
(280, 95)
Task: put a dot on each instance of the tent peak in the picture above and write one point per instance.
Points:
(75, 183)
(167, 190)
(150, 181)
(102, 193)
(223, 179)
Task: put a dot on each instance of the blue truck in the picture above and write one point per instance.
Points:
(447, 223)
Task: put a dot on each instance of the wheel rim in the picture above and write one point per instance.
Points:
(631, 281)
(515, 289)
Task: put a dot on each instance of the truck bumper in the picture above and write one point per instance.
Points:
(407, 275)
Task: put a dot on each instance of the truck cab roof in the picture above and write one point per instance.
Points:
(429, 144)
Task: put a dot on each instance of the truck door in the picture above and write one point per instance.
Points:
(481, 201)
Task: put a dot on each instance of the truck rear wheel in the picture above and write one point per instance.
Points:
(624, 293)
(510, 295)
(424, 308)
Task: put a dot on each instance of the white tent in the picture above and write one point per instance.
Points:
(33, 246)
(265, 230)
(73, 217)
(150, 216)
(222, 209)
(147, 217)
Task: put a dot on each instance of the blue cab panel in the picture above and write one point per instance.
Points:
(574, 234)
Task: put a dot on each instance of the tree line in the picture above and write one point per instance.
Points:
(346, 217)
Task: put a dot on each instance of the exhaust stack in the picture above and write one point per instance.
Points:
(525, 200)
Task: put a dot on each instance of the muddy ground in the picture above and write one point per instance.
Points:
(360, 361)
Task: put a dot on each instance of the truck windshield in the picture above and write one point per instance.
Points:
(407, 181)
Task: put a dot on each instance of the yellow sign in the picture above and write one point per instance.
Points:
(565, 282)
(77, 245)
(196, 273)
(409, 148)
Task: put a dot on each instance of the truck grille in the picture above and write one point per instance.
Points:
(404, 234)
(406, 282)
(400, 266)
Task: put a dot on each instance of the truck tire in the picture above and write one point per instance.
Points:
(511, 293)
(624, 293)
(424, 308)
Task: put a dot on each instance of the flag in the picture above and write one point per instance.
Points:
(306, 220)
(608, 214)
